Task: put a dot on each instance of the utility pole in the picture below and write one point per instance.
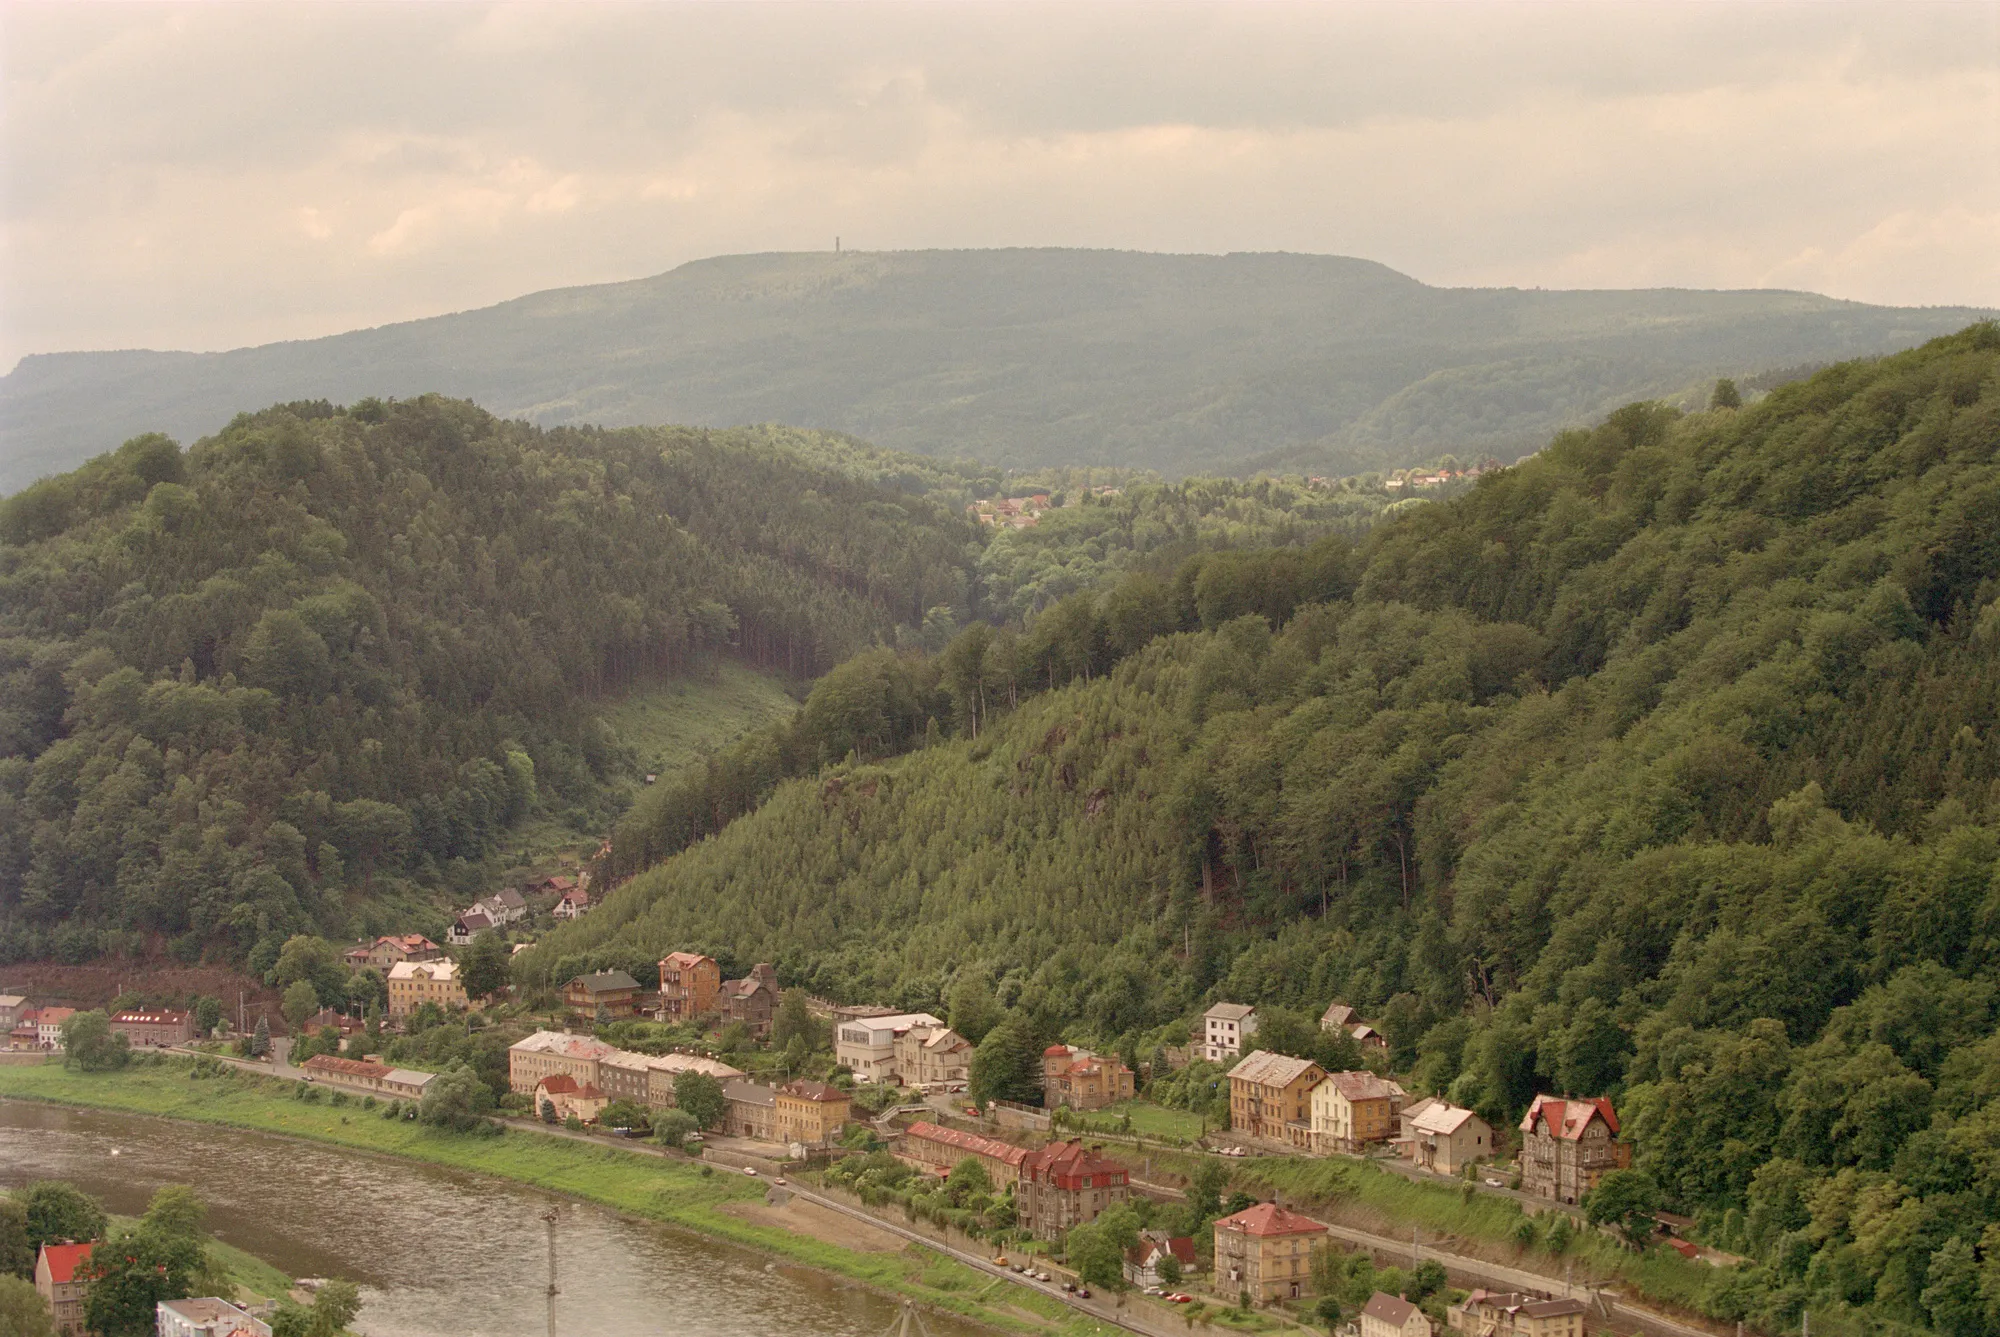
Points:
(549, 1219)
(1416, 1254)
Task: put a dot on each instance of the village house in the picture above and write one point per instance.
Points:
(811, 1114)
(939, 1150)
(48, 1026)
(414, 983)
(570, 1098)
(1064, 1185)
(572, 904)
(750, 1110)
(385, 952)
(505, 907)
(1392, 1316)
(1512, 1314)
(1337, 1017)
(343, 1023)
(61, 1282)
(25, 1034)
(207, 1316)
(467, 927)
(1445, 1139)
(1266, 1251)
(12, 1005)
(866, 1046)
(1142, 1263)
(1082, 1080)
(1350, 1110)
(689, 982)
(547, 1052)
(159, 1028)
(368, 1075)
(752, 1000)
(928, 1056)
(1225, 1027)
(1567, 1145)
(1371, 1040)
(608, 993)
(1270, 1096)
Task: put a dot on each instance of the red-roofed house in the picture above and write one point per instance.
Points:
(1142, 1264)
(25, 1035)
(1567, 1145)
(48, 1026)
(1266, 1251)
(60, 1280)
(572, 904)
(1064, 1185)
(929, 1146)
(569, 1096)
(1083, 1080)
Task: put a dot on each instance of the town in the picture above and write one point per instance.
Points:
(878, 1106)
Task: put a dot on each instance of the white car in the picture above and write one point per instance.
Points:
(750, 1170)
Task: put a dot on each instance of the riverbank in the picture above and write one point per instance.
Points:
(674, 1191)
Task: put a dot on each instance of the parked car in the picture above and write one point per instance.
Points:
(779, 1181)
(1083, 1292)
(750, 1170)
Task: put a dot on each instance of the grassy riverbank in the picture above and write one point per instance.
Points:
(660, 1188)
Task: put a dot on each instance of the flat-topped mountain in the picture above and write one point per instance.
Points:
(1174, 362)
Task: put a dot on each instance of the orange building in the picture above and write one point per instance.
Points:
(1083, 1080)
(688, 985)
(1270, 1095)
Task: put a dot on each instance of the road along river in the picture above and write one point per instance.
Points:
(437, 1252)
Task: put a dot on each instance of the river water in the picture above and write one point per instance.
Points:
(437, 1252)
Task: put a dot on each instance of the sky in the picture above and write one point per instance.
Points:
(218, 175)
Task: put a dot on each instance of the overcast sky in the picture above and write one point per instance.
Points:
(217, 175)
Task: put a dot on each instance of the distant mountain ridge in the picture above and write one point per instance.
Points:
(1020, 357)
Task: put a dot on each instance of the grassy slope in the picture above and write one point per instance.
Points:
(661, 1189)
(667, 726)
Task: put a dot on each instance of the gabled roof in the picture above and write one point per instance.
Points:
(749, 1093)
(64, 1259)
(1416, 1107)
(1567, 1119)
(556, 1084)
(442, 971)
(817, 1091)
(49, 1016)
(1442, 1119)
(604, 981)
(1362, 1086)
(1268, 1218)
(568, 1046)
(1388, 1308)
(1229, 1011)
(1336, 1014)
(1268, 1069)
(683, 960)
(1068, 1158)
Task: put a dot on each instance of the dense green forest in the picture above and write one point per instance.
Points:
(1665, 765)
(1019, 357)
(306, 672)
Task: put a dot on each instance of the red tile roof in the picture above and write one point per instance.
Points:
(64, 1259)
(819, 1091)
(1268, 1218)
(970, 1143)
(559, 1084)
(1568, 1118)
(1063, 1163)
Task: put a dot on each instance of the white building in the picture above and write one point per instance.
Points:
(1226, 1027)
(866, 1046)
(205, 1317)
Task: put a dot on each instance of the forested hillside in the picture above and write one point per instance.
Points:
(1664, 766)
(309, 671)
(1024, 358)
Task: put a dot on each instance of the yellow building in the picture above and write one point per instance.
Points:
(1512, 1314)
(1352, 1109)
(1270, 1095)
(1266, 1251)
(812, 1114)
(414, 983)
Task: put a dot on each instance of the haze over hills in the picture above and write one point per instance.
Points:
(1020, 357)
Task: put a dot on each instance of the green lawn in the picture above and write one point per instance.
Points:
(1148, 1120)
(661, 1188)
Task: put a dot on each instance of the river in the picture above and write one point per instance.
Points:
(437, 1252)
